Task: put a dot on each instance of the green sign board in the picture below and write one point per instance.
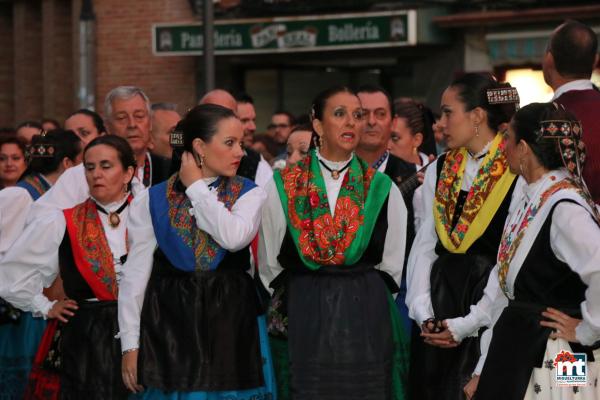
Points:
(291, 34)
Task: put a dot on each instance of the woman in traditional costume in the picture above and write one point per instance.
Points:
(543, 296)
(332, 249)
(189, 313)
(468, 190)
(20, 333)
(87, 248)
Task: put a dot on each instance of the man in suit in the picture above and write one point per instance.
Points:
(373, 148)
(127, 114)
(568, 63)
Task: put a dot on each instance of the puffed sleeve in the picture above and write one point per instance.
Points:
(234, 229)
(31, 264)
(422, 256)
(14, 204)
(136, 271)
(574, 238)
(272, 232)
(394, 247)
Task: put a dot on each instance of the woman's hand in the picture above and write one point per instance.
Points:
(63, 309)
(129, 371)
(441, 339)
(471, 387)
(563, 325)
(189, 172)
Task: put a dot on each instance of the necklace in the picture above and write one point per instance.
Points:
(335, 173)
(113, 217)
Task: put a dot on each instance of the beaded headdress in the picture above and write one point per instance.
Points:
(505, 95)
(43, 148)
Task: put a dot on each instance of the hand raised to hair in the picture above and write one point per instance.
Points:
(189, 172)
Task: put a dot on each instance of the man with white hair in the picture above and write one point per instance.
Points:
(127, 114)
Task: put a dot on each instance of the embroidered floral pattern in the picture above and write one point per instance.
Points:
(35, 182)
(324, 238)
(91, 251)
(205, 247)
(513, 234)
(449, 185)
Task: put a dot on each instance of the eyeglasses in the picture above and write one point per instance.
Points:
(280, 126)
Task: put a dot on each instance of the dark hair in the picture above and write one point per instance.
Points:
(52, 121)
(96, 119)
(419, 119)
(289, 115)
(472, 91)
(270, 146)
(318, 105)
(65, 143)
(243, 97)
(372, 89)
(9, 139)
(29, 124)
(121, 145)
(201, 122)
(526, 123)
(574, 46)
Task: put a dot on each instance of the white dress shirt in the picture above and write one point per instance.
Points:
(31, 264)
(274, 225)
(232, 230)
(264, 173)
(579, 84)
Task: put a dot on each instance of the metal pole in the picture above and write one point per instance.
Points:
(209, 46)
(86, 93)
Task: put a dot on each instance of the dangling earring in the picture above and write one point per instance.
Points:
(521, 169)
(414, 149)
(476, 130)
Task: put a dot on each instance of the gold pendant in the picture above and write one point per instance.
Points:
(113, 219)
(335, 174)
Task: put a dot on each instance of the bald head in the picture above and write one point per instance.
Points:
(221, 98)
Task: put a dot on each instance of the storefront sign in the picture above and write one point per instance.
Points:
(291, 34)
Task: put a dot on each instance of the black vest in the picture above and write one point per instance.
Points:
(249, 164)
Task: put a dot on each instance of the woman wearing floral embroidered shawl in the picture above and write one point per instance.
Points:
(469, 191)
(189, 308)
(332, 239)
(543, 296)
(86, 245)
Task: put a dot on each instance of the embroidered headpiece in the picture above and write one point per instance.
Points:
(176, 138)
(567, 135)
(42, 148)
(505, 95)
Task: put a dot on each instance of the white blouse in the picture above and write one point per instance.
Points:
(574, 236)
(233, 230)
(15, 203)
(422, 254)
(31, 264)
(274, 225)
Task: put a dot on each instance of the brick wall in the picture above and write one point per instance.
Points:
(6, 66)
(27, 20)
(124, 51)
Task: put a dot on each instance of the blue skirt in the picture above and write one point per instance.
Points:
(18, 345)
(267, 392)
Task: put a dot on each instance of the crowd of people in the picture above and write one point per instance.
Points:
(369, 249)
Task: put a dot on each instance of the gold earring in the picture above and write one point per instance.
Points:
(476, 130)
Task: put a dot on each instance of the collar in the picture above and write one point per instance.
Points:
(211, 182)
(533, 190)
(478, 156)
(335, 165)
(42, 177)
(579, 84)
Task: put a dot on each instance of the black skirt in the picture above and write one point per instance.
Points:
(199, 330)
(340, 335)
(91, 356)
(457, 282)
